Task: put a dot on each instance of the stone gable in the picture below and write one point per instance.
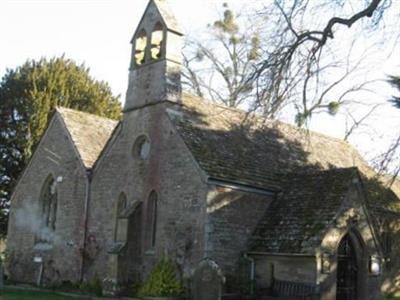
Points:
(55, 156)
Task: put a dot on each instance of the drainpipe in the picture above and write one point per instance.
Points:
(252, 272)
(85, 221)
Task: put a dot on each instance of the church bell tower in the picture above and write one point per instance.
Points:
(155, 68)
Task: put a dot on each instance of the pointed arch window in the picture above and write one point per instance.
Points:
(152, 204)
(157, 38)
(49, 204)
(140, 48)
(122, 221)
(122, 204)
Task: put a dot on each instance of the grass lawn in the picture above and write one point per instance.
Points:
(18, 294)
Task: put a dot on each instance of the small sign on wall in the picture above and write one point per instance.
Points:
(38, 259)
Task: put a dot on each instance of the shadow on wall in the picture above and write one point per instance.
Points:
(244, 153)
(384, 207)
(233, 147)
(346, 270)
(233, 216)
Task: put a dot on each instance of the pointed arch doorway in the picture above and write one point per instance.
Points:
(347, 270)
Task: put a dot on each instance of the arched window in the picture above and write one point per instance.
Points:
(122, 204)
(157, 37)
(48, 202)
(140, 48)
(141, 148)
(122, 221)
(152, 219)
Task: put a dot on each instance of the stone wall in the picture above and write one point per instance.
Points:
(54, 156)
(352, 220)
(171, 172)
(299, 269)
(390, 237)
(319, 266)
(232, 216)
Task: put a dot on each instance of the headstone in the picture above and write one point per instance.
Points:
(207, 281)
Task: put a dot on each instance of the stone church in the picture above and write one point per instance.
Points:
(243, 205)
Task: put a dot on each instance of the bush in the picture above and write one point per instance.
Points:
(132, 289)
(94, 286)
(162, 281)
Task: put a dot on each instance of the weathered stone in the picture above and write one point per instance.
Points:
(57, 157)
(197, 181)
(207, 281)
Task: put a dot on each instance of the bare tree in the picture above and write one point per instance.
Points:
(299, 62)
(311, 58)
(221, 68)
(395, 82)
(277, 61)
(389, 160)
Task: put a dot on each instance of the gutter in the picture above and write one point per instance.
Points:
(85, 222)
(242, 187)
(280, 254)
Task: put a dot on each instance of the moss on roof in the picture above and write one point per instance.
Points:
(313, 170)
(230, 144)
(89, 133)
(296, 220)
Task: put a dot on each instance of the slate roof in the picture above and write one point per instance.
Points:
(312, 171)
(231, 145)
(296, 221)
(88, 132)
(169, 18)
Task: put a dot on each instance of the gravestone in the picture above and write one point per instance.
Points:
(207, 281)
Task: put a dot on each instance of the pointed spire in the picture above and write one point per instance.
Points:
(168, 16)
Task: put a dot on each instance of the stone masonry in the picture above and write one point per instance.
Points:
(259, 205)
